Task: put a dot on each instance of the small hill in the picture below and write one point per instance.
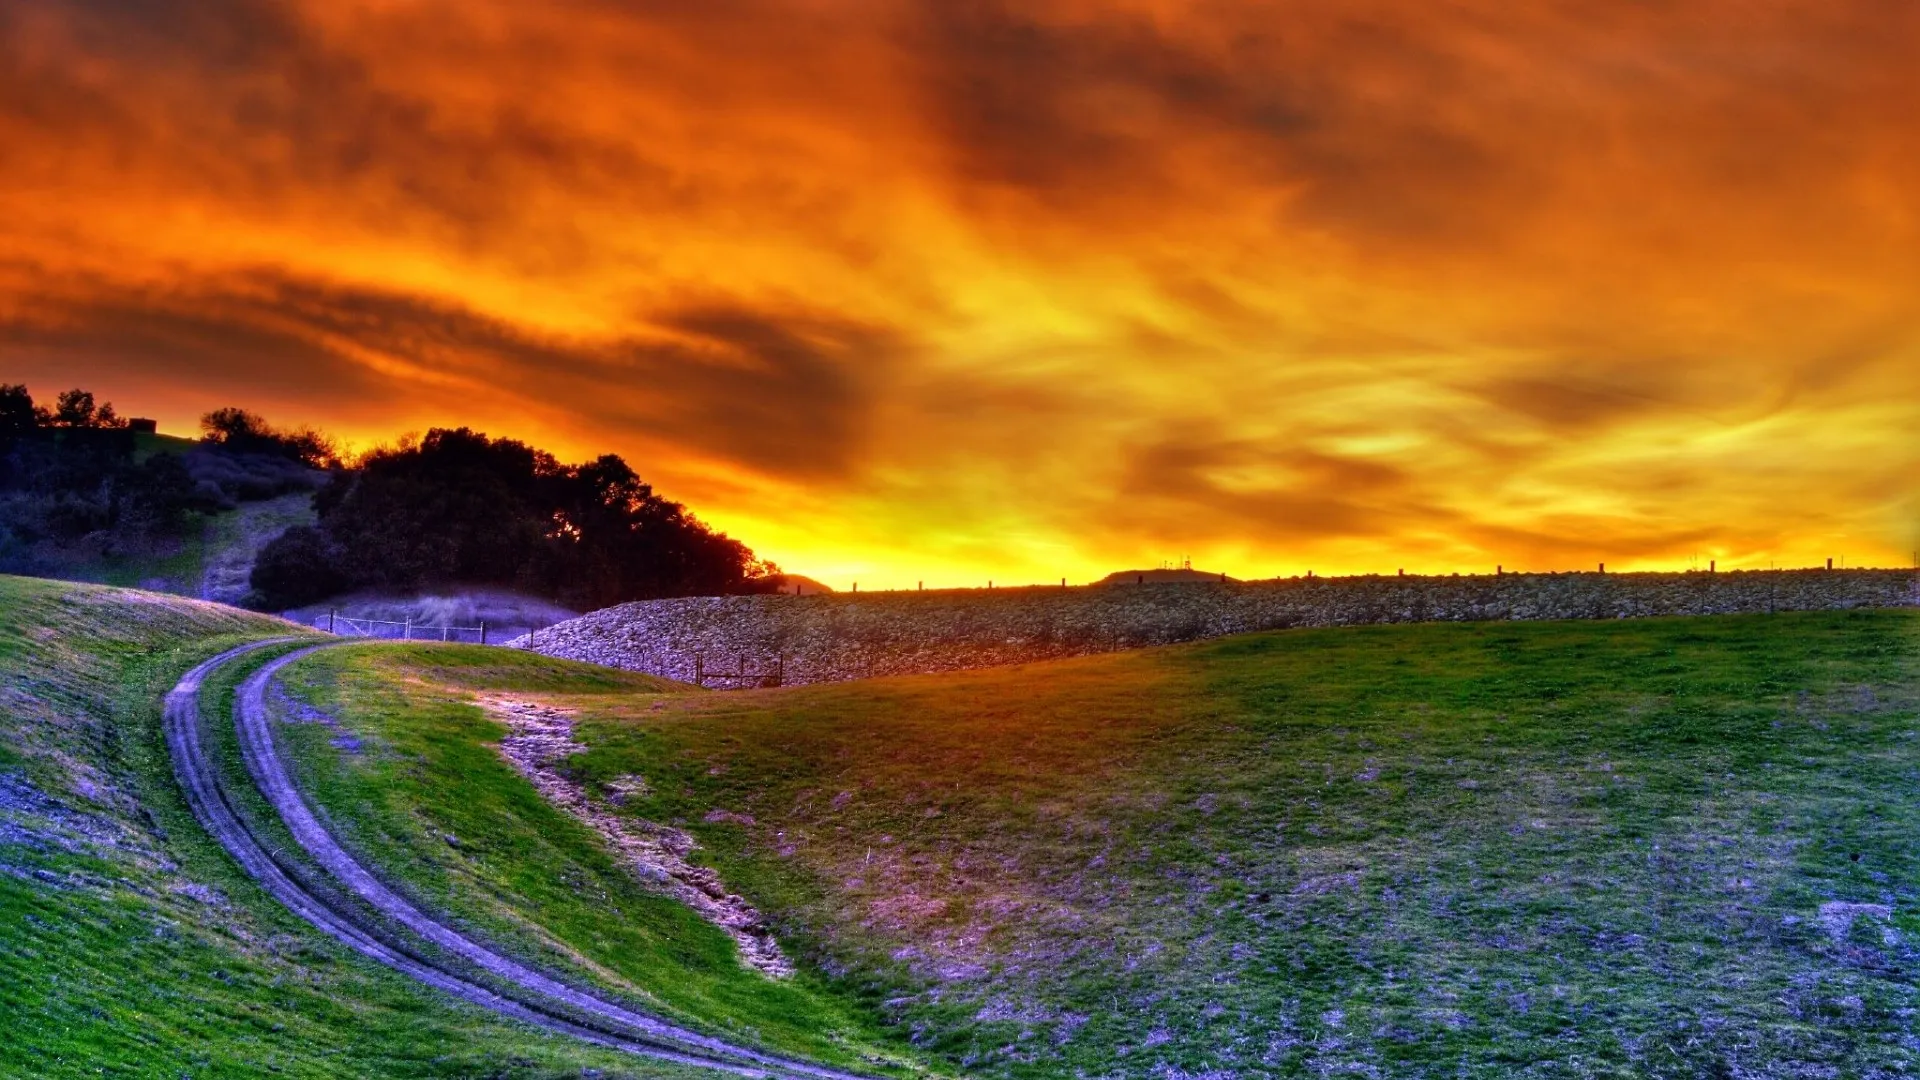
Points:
(231, 542)
(1163, 576)
(802, 585)
(144, 509)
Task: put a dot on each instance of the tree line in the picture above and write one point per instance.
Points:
(452, 508)
(77, 485)
(459, 508)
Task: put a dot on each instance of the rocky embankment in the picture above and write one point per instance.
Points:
(808, 639)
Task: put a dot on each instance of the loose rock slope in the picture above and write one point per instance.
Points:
(743, 641)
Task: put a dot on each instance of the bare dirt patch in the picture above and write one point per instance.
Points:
(539, 738)
(1837, 917)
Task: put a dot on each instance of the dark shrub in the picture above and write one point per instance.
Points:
(156, 499)
(243, 477)
(299, 567)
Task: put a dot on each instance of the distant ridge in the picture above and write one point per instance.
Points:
(802, 585)
(1162, 576)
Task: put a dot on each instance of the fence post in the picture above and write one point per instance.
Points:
(699, 671)
(483, 631)
(406, 629)
(444, 631)
(330, 616)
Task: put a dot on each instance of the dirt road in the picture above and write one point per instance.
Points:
(382, 925)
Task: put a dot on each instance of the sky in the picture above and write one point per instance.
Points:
(951, 292)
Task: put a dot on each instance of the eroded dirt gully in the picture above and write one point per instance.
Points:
(401, 936)
(540, 737)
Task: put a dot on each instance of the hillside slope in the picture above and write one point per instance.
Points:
(1666, 847)
(129, 944)
(232, 542)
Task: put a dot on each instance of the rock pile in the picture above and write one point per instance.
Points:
(742, 640)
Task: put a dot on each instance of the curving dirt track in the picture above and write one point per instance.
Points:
(398, 934)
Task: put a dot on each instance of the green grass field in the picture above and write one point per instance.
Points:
(1518, 849)
(401, 766)
(1548, 849)
(129, 944)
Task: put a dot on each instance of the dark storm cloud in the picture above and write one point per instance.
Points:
(789, 395)
(1177, 478)
(1113, 111)
(1408, 124)
(1564, 401)
(215, 344)
(242, 101)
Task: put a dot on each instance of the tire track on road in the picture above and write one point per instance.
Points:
(524, 994)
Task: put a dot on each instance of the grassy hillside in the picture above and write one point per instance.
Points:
(88, 506)
(147, 444)
(231, 541)
(412, 784)
(212, 561)
(129, 944)
(175, 565)
(1675, 847)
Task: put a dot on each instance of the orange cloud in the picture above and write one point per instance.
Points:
(943, 292)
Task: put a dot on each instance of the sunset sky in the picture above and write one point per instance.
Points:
(947, 291)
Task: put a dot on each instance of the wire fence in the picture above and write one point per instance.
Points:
(404, 630)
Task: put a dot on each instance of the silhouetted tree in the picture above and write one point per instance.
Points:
(76, 409)
(240, 431)
(18, 417)
(461, 508)
(301, 566)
